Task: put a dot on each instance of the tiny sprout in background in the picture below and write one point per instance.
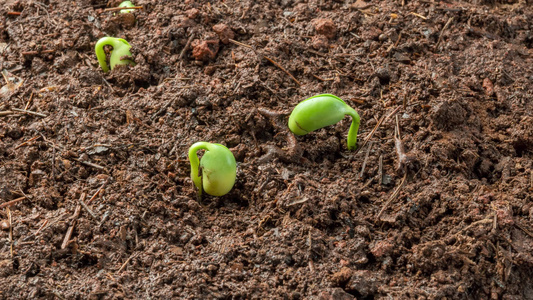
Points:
(120, 55)
(218, 168)
(320, 111)
(126, 4)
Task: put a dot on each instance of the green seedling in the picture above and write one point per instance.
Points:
(126, 4)
(218, 168)
(120, 55)
(320, 111)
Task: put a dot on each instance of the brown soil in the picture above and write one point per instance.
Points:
(450, 216)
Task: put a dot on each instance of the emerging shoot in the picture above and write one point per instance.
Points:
(320, 111)
(120, 55)
(218, 168)
(126, 4)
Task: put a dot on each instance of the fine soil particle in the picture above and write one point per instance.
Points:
(436, 203)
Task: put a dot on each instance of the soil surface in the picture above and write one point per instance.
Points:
(436, 203)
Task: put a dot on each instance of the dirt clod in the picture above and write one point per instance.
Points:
(320, 42)
(382, 248)
(224, 32)
(325, 27)
(204, 50)
(449, 114)
(341, 278)
(488, 86)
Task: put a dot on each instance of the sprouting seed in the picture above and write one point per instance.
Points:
(126, 4)
(218, 168)
(120, 55)
(320, 111)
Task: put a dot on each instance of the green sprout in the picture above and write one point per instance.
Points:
(120, 55)
(320, 111)
(126, 4)
(218, 168)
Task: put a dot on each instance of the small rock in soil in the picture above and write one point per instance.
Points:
(4, 225)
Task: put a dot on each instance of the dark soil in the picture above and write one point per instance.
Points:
(450, 216)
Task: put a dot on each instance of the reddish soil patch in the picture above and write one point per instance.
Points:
(449, 216)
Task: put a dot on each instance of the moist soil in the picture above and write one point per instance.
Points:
(435, 203)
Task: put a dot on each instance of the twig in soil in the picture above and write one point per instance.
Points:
(316, 52)
(187, 45)
(383, 119)
(88, 210)
(402, 158)
(392, 197)
(53, 165)
(298, 201)
(104, 218)
(380, 170)
(40, 228)
(495, 224)
(482, 33)
(25, 53)
(367, 183)
(442, 31)
(44, 8)
(488, 220)
(29, 101)
(126, 262)
(45, 225)
(310, 249)
(122, 8)
(6, 113)
(5, 49)
(523, 229)
(14, 13)
(10, 221)
(26, 142)
(162, 110)
(90, 164)
(322, 79)
(395, 44)
(30, 112)
(108, 85)
(241, 44)
(418, 15)
(283, 69)
(263, 221)
(97, 192)
(365, 160)
(74, 219)
(12, 202)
